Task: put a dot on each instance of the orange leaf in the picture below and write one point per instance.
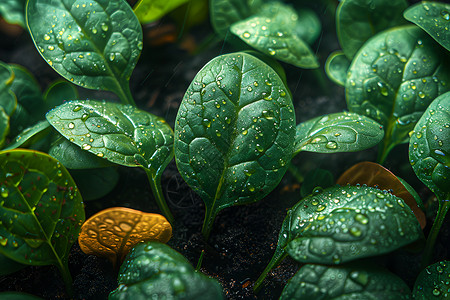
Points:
(114, 231)
(373, 174)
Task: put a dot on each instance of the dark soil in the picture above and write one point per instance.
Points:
(243, 238)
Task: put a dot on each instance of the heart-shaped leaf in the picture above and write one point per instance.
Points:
(341, 224)
(234, 132)
(338, 132)
(13, 11)
(272, 31)
(393, 79)
(373, 174)
(151, 10)
(95, 44)
(41, 211)
(224, 13)
(112, 232)
(359, 20)
(154, 270)
(434, 18)
(432, 283)
(336, 67)
(350, 281)
(122, 134)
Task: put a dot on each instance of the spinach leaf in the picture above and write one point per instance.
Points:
(341, 224)
(4, 126)
(13, 11)
(30, 135)
(18, 296)
(151, 10)
(350, 281)
(122, 134)
(308, 26)
(433, 17)
(336, 67)
(9, 266)
(338, 132)
(432, 283)
(8, 100)
(94, 184)
(234, 133)
(41, 211)
(153, 269)
(272, 31)
(94, 44)
(359, 20)
(393, 79)
(224, 13)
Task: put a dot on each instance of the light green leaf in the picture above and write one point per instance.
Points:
(337, 66)
(350, 281)
(4, 126)
(224, 13)
(308, 26)
(95, 44)
(432, 282)
(272, 31)
(434, 18)
(359, 20)
(338, 132)
(234, 132)
(30, 135)
(148, 11)
(13, 11)
(394, 78)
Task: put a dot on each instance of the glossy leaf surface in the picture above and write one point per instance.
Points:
(29, 135)
(429, 147)
(224, 13)
(337, 132)
(95, 44)
(13, 11)
(432, 283)
(234, 132)
(114, 231)
(151, 10)
(375, 175)
(41, 210)
(394, 78)
(350, 281)
(336, 67)
(434, 18)
(272, 31)
(359, 20)
(4, 125)
(7, 98)
(154, 270)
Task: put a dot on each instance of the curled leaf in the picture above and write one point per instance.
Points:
(114, 231)
(337, 66)
(373, 174)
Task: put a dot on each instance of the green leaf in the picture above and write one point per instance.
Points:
(148, 11)
(95, 183)
(4, 126)
(122, 134)
(272, 31)
(337, 132)
(316, 178)
(73, 157)
(413, 193)
(432, 282)
(13, 11)
(7, 98)
(393, 79)
(359, 20)
(308, 26)
(18, 296)
(58, 92)
(41, 211)
(429, 147)
(434, 18)
(30, 135)
(336, 67)
(94, 44)
(342, 224)
(9, 266)
(224, 13)
(350, 281)
(155, 271)
(234, 132)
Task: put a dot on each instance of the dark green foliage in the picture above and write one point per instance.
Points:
(433, 283)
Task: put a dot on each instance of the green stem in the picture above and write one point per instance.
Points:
(444, 205)
(383, 150)
(200, 261)
(67, 278)
(277, 258)
(210, 216)
(124, 94)
(296, 173)
(155, 184)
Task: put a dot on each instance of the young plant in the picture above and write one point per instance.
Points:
(234, 132)
(429, 151)
(154, 270)
(41, 211)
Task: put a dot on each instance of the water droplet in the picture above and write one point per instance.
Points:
(436, 292)
(86, 147)
(331, 145)
(46, 37)
(355, 231)
(94, 30)
(112, 56)
(140, 45)
(246, 35)
(4, 192)
(84, 117)
(3, 240)
(71, 125)
(383, 90)
(251, 188)
(104, 27)
(445, 15)
(245, 132)
(363, 219)
(100, 154)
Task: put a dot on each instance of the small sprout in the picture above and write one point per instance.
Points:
(114, 231)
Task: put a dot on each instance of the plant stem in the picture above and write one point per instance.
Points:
(279, 255)
(155, 184)
(67, 278)
(383, 150)
(208, 223)
(200, 260)
(444, 205)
